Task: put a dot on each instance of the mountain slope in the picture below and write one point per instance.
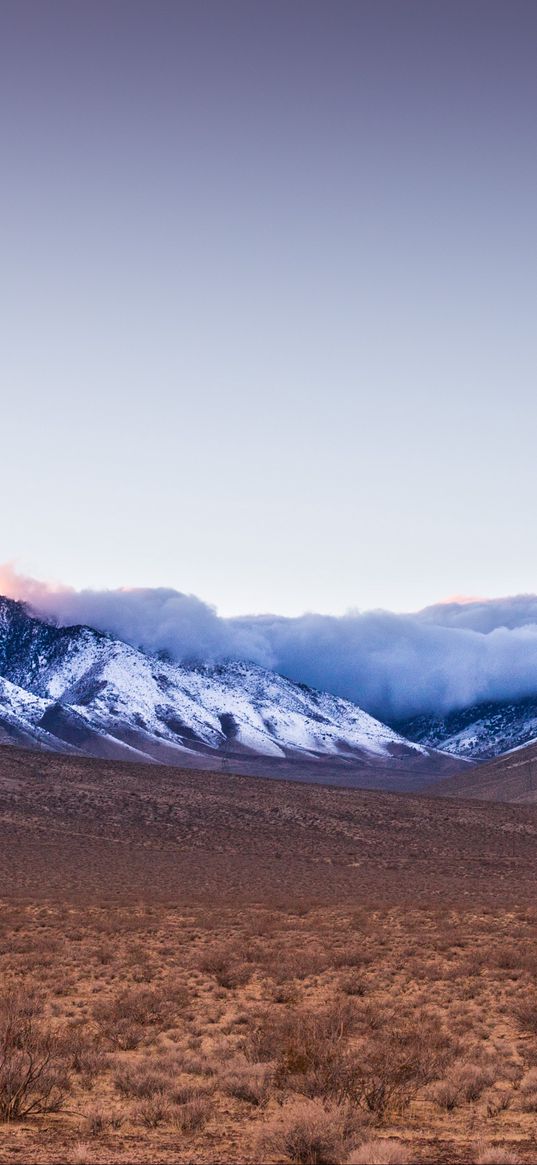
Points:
(77, 690)
(479, 732)
(74, 826)
(511, 777)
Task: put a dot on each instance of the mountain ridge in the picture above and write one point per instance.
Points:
(479, 732)
(74, 689)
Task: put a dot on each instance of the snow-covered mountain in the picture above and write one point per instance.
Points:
(479, 732)
(77, 690)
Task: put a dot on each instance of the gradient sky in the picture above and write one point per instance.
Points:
(269, 296)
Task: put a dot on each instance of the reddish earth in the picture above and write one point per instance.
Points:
(215, 959)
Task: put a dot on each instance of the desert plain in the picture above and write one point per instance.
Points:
(201, 967)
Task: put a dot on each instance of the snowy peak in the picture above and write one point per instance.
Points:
(479, 732)
(74, 688)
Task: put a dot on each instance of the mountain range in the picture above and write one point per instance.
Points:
(479, 732)
(77, 690)
(80, 691)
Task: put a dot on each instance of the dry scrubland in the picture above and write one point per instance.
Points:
(203, 968)
(512, 777)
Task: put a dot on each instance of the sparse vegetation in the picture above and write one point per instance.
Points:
(379, 1152)
(321, 1075)
(33, 1075)
(307, 1132)
(322, 1020)
(496, 1156)
(193, 1115)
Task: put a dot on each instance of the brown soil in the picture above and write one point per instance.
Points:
(212, 961)
(511, 777)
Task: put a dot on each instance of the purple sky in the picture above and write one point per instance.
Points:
(268, 298)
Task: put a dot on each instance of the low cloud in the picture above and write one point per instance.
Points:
(444, 657)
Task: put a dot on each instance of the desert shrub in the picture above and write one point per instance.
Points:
(506, 958)
(95, 1121)
(98, 1119)
(298, 964)
(228, 966)
(472, 1079)
(379, 1153)
(528, 1091)
(495, 1156)
(193, 1115)
(312, 1055)
(498, 1101)
(123, 1019)
(525, 1012)
(183, 1093)
(153, 1111)
(88, 1063)
(217, 959)
(464, 1083)
(371, 1017)
(81, 1154)
(247, 1081)
(529, 961)
(103, 954)
(445, 1093)
(285, 993)
(33, 1075)
(300, 1040)
(389, 1068)
(141, 1081)
(82, 1054)
(198, 1065)
(353, 984)
(530, 1053)
(307, 1133)
(237, 975)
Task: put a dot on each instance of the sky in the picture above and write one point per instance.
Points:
(268, 294)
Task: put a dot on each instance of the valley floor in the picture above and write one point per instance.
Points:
(224, 969)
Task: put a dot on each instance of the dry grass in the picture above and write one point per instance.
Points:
(379, 1152)
(342, 1016)
(429, 1059)
(495, 1156)
(248, 1081)
(307, 1132)
(193, 1115)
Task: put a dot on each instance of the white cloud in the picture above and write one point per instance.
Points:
(444, 657)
